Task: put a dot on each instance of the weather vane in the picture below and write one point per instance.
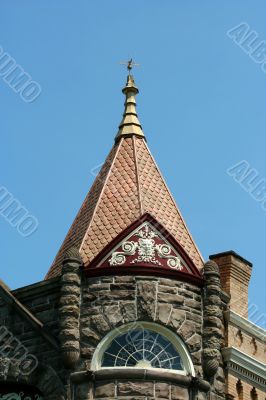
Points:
(130, 64)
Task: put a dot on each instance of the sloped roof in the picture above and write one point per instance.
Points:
(128, 186)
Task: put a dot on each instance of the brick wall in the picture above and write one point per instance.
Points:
(245, 342)
(235, 274)
(241, 390)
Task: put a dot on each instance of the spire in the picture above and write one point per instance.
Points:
(130, 124)
(128, 187)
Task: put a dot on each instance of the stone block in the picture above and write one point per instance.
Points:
(69, 299)
(99, 287)
(163, 313)
(82, 391)
(113, 315)
(89, 336)
(169, 282)
(99, 324)
(191, 303)
(72, 279)
(146, 295)
(135, 389)
(192, 288)
(170, 298)
(213, 321)
(177, 318)
(123, 286)
(104, 390)
(186, 293)
(196, 357)
(194, 343)
(179, 393)
(187, 329)
(106, 298)
(69, 334)
(167, 289)
(219, 386)
(72, 311)
(89, 297)
(194, 317)
(66, 289)
(162, 390)
(129, 311)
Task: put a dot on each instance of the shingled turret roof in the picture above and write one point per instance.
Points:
(128, 186)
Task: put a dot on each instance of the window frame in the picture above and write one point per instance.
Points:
(176, 341)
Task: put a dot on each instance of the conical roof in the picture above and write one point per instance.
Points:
(128, 186)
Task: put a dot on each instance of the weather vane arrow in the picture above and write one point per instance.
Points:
(130, 64)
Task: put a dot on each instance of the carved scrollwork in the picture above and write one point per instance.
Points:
(119, 258)
(164, 251)
(146, 249)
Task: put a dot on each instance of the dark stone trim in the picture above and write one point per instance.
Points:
(12, 301)
(69, 309)
(230, 253)
(225, 297)
(38, 289)
(140, 374)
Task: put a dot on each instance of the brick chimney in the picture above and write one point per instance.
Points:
(235, 276)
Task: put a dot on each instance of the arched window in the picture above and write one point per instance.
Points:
(143, 345)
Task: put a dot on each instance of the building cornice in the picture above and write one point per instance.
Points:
(245, 325)
(245, 367)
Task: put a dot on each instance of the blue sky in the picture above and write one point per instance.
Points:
(202, 106)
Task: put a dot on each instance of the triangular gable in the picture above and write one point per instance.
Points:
(145, 247)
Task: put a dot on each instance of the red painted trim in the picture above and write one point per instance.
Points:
(92, 270)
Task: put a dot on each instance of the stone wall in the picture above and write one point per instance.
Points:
(133, 390)
(95, 306)
(110, 302)
(41, 299)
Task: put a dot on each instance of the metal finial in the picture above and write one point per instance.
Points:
(130, 64)
(130, 124)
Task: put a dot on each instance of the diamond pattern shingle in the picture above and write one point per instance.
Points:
(128, 185)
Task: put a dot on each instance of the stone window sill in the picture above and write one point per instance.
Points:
(110, 374)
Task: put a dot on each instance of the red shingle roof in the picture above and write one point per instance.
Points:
(128, 185)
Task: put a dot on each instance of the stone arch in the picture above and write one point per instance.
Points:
(43, 378)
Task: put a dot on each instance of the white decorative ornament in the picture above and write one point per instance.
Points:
(118, 258)
(146, 249)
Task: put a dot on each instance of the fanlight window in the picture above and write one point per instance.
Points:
(145, 345)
